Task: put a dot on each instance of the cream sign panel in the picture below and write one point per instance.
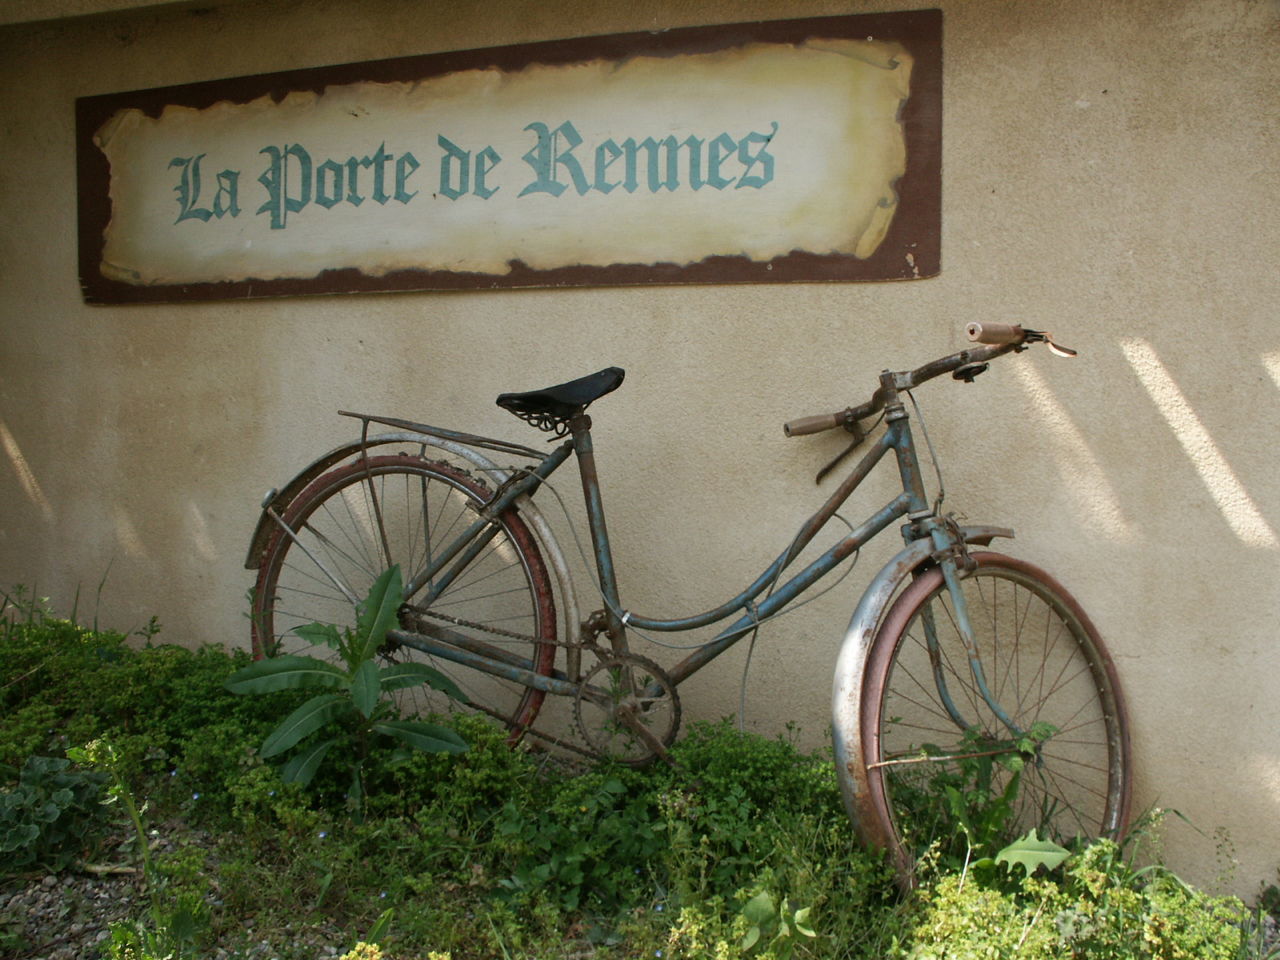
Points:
(656, 166)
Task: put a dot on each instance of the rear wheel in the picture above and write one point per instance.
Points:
(939, 760)
(357, 520)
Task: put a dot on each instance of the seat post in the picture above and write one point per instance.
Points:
(580, 428)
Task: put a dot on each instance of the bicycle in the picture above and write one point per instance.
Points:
(956, 657)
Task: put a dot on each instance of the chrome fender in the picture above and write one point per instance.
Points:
(846, 693)
(279, 500)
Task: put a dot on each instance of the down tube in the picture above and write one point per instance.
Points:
(897, 507)
(798, 543)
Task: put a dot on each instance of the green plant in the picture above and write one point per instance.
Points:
(51, 817)
(962, 807)
(175, 919)
(597, 860)
(722, 794)
(1261, 929)
(63, 684)
(1031, 853)
(772, 926)
(358, 708)
(593, 842)
(1098, 906)
(377, 933)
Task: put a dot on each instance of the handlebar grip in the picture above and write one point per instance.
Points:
(995, 332)
(824, 421)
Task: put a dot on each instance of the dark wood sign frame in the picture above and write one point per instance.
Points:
(910, 250)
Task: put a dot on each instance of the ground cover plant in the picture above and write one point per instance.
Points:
(739, 849)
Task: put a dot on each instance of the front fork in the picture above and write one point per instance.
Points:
(952, 556)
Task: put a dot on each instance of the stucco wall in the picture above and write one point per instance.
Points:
(1109, 174)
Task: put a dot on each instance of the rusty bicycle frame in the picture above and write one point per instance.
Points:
(934, 560)
(929, 539)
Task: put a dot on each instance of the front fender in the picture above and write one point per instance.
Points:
(846, 694)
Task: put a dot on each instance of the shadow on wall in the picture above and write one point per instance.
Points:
(1090, 490)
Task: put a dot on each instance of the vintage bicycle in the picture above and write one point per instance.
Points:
(954, 655)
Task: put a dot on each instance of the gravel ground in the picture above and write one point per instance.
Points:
(69, 916)
(66, 917)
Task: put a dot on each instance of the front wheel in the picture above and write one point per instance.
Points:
(941, 766)
(357, 520)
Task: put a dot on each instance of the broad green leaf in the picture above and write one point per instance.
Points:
(759, 909)
(320, 634)
(365, 688)
(427, 737)
(1031, 853)
(1041, 731)
(400, 675)
(802, 922)
(378, 612)
(379, 929)
(302, 766)
(1013, 762)
(182, 925)
(750, 939)
(307, 719)
(285, 673)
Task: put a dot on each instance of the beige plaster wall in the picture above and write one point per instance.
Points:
(1109, 175)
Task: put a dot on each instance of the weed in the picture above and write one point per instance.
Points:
(1098, 907)
(52, 817)
(357, 709)
(740, 850)
(177, 898)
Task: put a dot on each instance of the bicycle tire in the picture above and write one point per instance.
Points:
(1043, 660)
(353, 522)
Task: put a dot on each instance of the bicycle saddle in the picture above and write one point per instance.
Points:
(551, 409)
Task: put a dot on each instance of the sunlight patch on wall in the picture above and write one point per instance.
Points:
(1266, 772)
(30, 485)
(127, 533)
(1095, 499)
(1233, 500)
(1272, 362)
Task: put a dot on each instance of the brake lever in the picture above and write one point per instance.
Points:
(855, 428)
(1039, 336)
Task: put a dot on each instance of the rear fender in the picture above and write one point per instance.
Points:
(278, 502)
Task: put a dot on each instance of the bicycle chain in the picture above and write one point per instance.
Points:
(421, 617)
(418, 616)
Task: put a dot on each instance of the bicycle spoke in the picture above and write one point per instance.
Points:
(1043, 667)
(400, 509)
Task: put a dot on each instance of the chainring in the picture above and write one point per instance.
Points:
(627, 709)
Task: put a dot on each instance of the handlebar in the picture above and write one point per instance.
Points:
(1000, 338)
(814, 424)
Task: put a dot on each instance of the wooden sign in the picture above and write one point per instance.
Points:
(780, 151)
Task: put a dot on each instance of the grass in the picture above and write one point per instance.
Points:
(741, 849)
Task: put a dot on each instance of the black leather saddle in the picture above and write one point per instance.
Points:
(551, 409)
